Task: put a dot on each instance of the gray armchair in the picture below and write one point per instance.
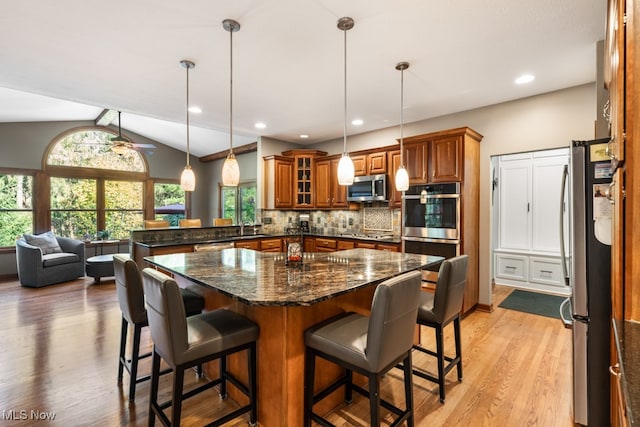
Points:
(36, 270)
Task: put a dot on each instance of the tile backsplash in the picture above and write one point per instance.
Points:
(366, 220)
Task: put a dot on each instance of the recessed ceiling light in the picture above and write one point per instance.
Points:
(260, 125)
(357, 122)
(304, 136)
(525, 78)
(195, 109)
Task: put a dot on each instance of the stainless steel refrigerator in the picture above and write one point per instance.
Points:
(587, 264)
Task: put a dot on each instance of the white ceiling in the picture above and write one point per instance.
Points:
(70, 59)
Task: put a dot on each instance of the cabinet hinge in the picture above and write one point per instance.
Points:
(624, 19)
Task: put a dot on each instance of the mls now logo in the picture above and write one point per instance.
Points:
(23, 414)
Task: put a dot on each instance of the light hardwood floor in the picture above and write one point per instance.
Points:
(60, 344)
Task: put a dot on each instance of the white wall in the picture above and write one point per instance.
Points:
(550, 120)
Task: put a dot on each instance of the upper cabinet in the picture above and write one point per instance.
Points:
(303, 176)
(441, 156)
(329, 193)
(370, 163)
(395, 197)
(415, 159)
(445, 155)
(278, 183)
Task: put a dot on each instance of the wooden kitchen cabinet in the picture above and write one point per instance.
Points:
(395, 197)
(462, 146)
(346, 244)
(389, 247)
(329, 193)
(248, 244)
(615, 75)
(445, 159)
(416, 160)
(338, 192)
(366, 245)
(271, 245)
(304, 176)
(326, 245)
(323, 183)
(370, 163)
(309, 244)
(278, 182)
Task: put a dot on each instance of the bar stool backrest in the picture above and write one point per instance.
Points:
(155, 223)
(129, 289)
(394, 310)
(452, 279)
(167, 317)
(191, 222)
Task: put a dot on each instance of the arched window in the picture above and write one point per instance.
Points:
(93, 148)
(95, 192)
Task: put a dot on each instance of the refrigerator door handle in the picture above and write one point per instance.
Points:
(563, 255)
(567, 323)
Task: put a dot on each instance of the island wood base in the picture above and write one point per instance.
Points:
(281, 352)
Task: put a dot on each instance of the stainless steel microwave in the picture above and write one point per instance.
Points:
(368, 188)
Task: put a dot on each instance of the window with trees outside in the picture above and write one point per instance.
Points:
(94, 192)
(239, 203)
(16, 207)
(169, 202)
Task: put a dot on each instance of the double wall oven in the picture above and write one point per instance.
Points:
(431, 219)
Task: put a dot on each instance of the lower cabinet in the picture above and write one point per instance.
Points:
(346, 244)
(366, 245)
(326, 245)
(535, 272)
(271, 245)
(248, 244)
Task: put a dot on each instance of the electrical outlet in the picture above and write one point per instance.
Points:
(267, 220)
(350, 221)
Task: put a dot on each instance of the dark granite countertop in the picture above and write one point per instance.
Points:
(177, 242)
(262, 278)
(627, 336)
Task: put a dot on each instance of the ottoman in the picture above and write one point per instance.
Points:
(100, 266)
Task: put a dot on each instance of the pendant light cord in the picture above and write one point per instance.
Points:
(344, 148)
(401, 116)
(231, 90)
(188, 116)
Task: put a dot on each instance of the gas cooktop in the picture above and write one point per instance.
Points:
(368, 236)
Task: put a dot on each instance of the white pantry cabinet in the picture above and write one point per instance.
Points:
(527, 253)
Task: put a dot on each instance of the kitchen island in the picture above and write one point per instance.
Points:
(284, 301)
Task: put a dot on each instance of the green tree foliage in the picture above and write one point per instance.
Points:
(73, 207)
(92, 148)
(16, 215)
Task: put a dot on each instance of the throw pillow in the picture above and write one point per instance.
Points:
(46, 242)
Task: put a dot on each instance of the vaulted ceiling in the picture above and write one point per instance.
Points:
(70, 59)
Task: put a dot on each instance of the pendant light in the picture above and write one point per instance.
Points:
(345, 166)
(402, 176)
(188, 178)
(230, 168)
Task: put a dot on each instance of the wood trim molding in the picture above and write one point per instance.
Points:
(487, 308)
(248, 148)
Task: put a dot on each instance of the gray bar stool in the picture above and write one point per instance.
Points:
(131, 301)
(370, 346)
(184, 342)
(439, 309)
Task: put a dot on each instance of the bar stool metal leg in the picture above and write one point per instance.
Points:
(123, 345)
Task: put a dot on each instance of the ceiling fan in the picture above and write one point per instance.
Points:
(120, 144)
